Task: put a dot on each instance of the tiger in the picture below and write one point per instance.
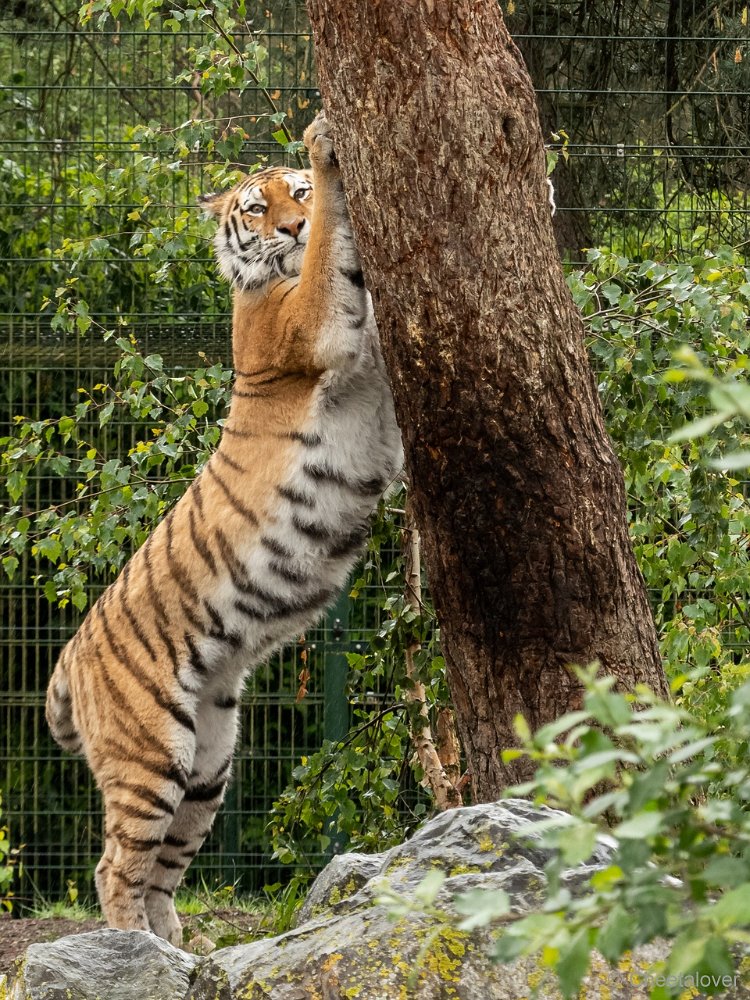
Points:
(260, 544)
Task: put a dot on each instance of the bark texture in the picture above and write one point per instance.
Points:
(515, 487)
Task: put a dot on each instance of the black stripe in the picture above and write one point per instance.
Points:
(234, 639)
(250, 589)
(147, 794)
(235, 567)
(193, 619)
(137, 883)
(177, 569)
(276, 547)
(171, 865)
(318, 532)
(171, 841)
(134, 843)
(157, 602)
(205, 793)
(233, 500)
(309, 440)
(225, 702)
(175, 711)
(117, 751)
(134, 623)
(230, 462)
(347, 544)
(227, 429)
(135, 813)
(284, 609)
(324, 474)
(196, 660)
(200, 545)
(295, 497)
(356, 277)
(357, 324)
(196, 490)
(287, 573)
(158, 888)
(252, 237)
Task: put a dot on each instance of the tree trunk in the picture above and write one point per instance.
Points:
(514, 484)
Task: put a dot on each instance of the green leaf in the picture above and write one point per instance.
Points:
(617, 934)
(733, 909)
(645, 824)
(697, 428)
(573, 963)
(731, 461)
(200, 407)
(428, 889)
(481, 906)
(10, 565)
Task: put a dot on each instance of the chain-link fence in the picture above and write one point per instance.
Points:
(651, 107)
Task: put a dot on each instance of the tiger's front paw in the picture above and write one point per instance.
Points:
(319, 143)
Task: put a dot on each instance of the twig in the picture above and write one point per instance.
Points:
(444, 790)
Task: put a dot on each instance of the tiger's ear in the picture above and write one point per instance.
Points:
(212, 204)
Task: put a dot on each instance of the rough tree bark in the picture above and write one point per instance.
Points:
(514, 484)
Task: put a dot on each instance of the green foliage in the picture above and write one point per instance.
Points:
(360, 791)
(114, 503)
(8, 859)
(689, 523)
(653, 778)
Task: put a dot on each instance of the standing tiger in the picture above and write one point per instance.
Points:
(261, 542)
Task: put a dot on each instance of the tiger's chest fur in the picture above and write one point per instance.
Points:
(291, 550)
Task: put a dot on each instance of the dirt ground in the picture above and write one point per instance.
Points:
(17, 935)
(226, 927)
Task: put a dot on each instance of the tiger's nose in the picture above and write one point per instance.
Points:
(293, 227)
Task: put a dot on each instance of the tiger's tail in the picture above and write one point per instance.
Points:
(59, 710)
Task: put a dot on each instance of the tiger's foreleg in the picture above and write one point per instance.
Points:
(331, 292)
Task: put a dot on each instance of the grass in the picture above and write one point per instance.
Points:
(44, 909)
(213, 917)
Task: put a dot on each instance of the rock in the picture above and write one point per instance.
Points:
(104, 965)
(476, 846)
(341, 878)
(347, 948)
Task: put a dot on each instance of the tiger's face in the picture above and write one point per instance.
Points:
(264, 225)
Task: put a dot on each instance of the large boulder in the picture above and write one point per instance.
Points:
(346, 946)
(104, 965)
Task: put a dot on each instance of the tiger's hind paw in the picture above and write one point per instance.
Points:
(319, 143)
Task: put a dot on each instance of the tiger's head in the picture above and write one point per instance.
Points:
(264, 225)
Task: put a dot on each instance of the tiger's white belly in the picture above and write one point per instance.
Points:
(303, 552)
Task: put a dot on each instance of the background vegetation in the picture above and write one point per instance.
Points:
(116, 377)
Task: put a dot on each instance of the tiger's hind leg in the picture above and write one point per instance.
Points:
(137, 820)
(216, 730)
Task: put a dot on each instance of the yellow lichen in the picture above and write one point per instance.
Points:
(464, 870)
(332, 960)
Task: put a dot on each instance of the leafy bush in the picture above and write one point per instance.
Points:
(650, 774)
(8, 858)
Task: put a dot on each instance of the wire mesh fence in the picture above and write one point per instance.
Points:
(651, 108)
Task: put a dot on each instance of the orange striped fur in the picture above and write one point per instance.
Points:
(261, 542)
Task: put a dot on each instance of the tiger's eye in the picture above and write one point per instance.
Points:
(254, 210)
(301, 193)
